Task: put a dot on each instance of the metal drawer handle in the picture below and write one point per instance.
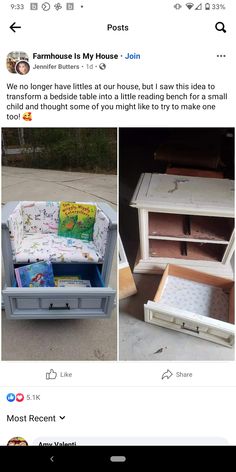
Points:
(66, 307)
(190, 329)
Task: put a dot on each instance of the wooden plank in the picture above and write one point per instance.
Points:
(229, 250)
(188, 239)
(141, 188)
(157, 266)
(127, 285)
(207, 228)
(231, 306)
(136, 192)
(161, 285)
(189, 195)
(165, 224)
(143, 233)
(195, 251)
(211, 174)
(212, 228)
(200, 277)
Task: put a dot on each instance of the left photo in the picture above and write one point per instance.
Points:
(59, 238)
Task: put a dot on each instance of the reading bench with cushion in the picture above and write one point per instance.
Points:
(33, 228)
(30, 234)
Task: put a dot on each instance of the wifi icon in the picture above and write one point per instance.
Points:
(189, 5)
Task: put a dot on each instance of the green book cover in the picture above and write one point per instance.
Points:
(76, 220)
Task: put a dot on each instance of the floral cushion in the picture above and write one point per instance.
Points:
(16, 230)
(33, 248)
(39, 247)
(33, 230)
(100, 232)
(40, 217)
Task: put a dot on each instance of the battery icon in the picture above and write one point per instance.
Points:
(207, 6)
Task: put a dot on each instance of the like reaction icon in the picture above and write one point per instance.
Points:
(11, 397)
(52, 375)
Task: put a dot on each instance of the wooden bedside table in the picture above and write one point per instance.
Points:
(187, 221)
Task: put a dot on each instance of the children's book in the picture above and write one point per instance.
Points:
(74, 283)
(39, 274)
(76, 220)
(58, 280)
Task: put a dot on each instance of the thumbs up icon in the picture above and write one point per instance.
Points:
(51, 375)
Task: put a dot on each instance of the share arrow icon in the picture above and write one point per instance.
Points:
(167, 375)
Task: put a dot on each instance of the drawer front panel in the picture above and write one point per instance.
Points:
(58, 303)
(91, 303)
(27, 303)
(161, 317)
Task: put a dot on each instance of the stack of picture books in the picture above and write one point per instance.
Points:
(41, 274)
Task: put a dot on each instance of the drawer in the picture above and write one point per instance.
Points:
(220, 332)
(194, 303)
(65, 302)
(58, 303)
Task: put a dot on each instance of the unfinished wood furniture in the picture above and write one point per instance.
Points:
(188, 221)
(127, 285)
(212, 174)
(194, 303)
(29, 234)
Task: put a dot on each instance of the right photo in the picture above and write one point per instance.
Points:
(176, 249)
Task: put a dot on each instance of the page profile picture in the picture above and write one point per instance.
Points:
(17, 441)
(18, 63)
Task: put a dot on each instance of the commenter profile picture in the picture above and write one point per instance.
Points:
(17, 441)
(18, 62)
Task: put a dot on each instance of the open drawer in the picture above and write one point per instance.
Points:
(194, 303)
(64, 302)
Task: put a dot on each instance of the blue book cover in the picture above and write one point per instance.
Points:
(39, 274)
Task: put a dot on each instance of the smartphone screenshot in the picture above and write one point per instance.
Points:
(117, 227)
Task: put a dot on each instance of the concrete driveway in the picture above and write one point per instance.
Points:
(59, 339)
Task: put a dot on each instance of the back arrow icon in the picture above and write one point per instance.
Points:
(52, 459)
(13, 27)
